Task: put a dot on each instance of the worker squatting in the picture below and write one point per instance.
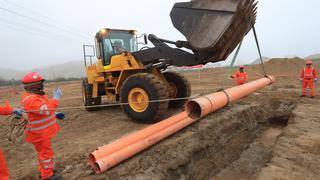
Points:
(41, 126)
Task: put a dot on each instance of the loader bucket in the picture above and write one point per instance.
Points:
(214, 27)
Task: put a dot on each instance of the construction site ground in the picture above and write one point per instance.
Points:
(270, 134)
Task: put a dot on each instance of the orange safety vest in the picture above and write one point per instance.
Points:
(241, 77)
(308, 73)
(41, 117)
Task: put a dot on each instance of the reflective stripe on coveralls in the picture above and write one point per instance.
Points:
(46, 164)
(42, 120)
(42, 127)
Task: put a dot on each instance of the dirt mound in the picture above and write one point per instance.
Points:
(281, 66)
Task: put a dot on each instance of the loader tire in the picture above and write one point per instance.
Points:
(137, 92)
(179, 88)
(88, 100)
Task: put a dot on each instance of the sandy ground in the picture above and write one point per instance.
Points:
(271, 134)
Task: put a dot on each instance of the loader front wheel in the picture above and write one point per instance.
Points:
(179, 88)
(137, 92)
(88, 100)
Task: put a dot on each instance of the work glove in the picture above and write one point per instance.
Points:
(17, 111)
(60, 115)
(57, 93)
(316, 80)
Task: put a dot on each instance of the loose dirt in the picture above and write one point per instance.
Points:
(271, 134)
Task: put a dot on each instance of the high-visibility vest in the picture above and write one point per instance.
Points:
(241, 76)
(41, 117)
(308, 73)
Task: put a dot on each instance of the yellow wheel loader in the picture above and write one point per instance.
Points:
(137, 78)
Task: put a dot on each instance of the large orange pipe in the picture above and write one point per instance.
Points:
(195, 109)
(204, 105)
(128, 140)
(108, 162)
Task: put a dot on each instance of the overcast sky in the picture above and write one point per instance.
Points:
(37, 33)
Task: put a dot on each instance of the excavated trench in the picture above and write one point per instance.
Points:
(235, 142)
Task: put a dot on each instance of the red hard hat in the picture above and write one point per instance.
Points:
(241, 67)
(32, 78)
(308, 62)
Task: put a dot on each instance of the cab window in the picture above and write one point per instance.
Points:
(118, 42)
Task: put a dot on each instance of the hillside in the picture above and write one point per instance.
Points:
(257, 61)
(285, 66)
(9, 73)
(70, 69)
(315, 57)
(66, 70)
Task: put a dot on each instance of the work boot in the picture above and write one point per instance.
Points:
(55, 176)
(54, 172)
(312, 97)
(303, 95)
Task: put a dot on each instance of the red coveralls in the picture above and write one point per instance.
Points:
(241, 77)
(4, 171)
(42, 127)
(308, 75)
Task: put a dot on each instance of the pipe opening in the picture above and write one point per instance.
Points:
(96, 168)
(92, 160)
(193, 110)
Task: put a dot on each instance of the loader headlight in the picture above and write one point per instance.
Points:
(103, 31)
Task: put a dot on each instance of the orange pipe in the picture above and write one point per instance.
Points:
(114, 153)
(200, 107)
(128, 140)
(108, 162)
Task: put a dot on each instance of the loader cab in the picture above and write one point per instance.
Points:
(110, 42)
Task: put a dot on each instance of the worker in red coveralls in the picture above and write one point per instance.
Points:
(42, 126)
(240, 76)
(308, 77)
(6, 110)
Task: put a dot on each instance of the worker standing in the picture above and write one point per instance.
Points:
(42, 126)
(308, 78)
(240, 76)
(6, 110)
